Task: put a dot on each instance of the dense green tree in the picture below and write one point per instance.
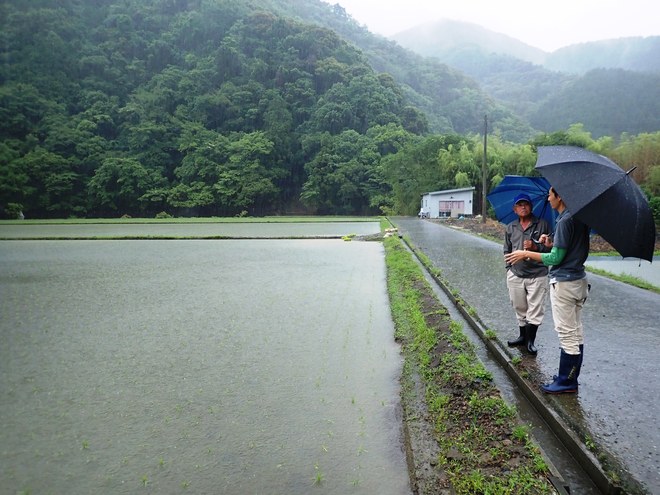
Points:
(14, 179)
(51, 184)
(246, 181)
(643, 152)
(195, 196)
(340, 175)
(118, 184)
(414, 170)
(22, 109)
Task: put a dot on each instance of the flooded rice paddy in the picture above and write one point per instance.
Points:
(218, 229)
(195, 366)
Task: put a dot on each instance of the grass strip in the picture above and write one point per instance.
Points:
(626, 279)
(483, 447)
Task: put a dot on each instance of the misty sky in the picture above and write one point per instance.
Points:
(548, 25)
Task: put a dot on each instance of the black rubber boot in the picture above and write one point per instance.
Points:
(522, 340)
(531, 337)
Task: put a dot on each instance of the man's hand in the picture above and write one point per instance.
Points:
(515, 257)
(546, 240)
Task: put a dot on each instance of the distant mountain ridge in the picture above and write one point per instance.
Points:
(639, 54)
(441, 38)
(610, 86)
(444, 38)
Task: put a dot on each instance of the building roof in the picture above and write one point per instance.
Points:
(448, 191)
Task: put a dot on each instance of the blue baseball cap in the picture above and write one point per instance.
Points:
(522, 197)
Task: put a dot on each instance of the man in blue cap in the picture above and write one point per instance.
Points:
(527, 281)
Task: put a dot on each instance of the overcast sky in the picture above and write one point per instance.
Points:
(548, 24)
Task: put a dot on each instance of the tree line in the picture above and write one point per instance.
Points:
(189, 107)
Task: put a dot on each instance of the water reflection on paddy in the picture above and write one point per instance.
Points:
(217, 366)
(218, 229)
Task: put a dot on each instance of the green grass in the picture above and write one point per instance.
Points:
(471, 432)
(626, 279)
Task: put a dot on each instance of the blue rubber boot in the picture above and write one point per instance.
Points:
(577, 374)
(579, 363)
(566, 381)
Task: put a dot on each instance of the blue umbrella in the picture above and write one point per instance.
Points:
(535, 187)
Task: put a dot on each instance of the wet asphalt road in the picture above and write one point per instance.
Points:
(619, 395)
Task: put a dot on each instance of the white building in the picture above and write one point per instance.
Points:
(449, 203)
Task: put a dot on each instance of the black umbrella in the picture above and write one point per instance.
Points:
(600, 194)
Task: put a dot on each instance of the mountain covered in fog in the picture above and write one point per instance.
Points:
(609, 86)
(456, 42)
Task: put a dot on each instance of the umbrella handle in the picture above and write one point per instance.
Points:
(539, 243)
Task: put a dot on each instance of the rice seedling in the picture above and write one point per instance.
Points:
(319, 477)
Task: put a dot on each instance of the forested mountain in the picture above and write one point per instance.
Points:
(546, 88)
(635, 54)
(135, 106)
(608, 102)
(451, 101)
(128, 106)
(219, 107)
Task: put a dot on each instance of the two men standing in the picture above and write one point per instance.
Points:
(568, 289)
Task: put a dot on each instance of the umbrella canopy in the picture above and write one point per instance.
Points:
(535, 187)
(600, 194)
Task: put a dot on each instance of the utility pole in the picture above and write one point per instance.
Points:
(484, 173)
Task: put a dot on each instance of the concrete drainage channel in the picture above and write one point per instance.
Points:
(575, 469)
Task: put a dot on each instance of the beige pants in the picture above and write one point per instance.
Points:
(567, 299)
(527, 297)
